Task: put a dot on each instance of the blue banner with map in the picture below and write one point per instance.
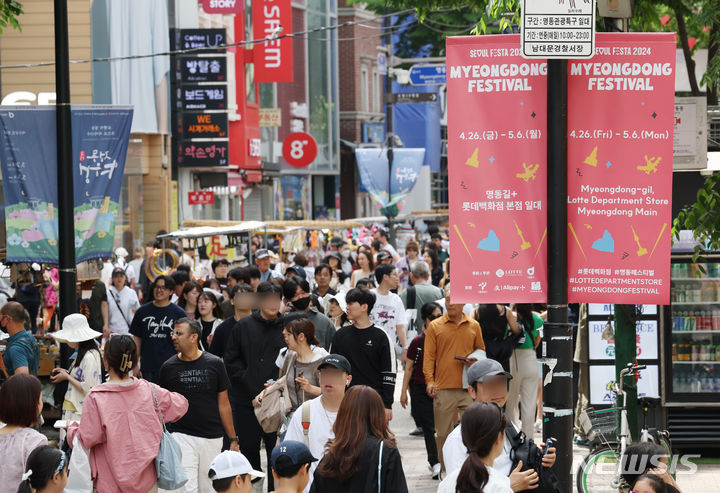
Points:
(28, 156)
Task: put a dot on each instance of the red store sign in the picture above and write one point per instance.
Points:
(273, 58)
(200, 197)
(222, 6)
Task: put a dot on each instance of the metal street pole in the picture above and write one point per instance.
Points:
(557, 345)
(66, 238)
(389, 122)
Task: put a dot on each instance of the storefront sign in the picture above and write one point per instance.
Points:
(199, 98)
(497, 114)
(222, 6)
(254, 148)
(270, 117)
(200, 40)
(29, 169)
(201, 197)
(690, 134)
(602, 379)
(202, 153)
(558, 29)
(203, 68)
(202, 125)
(273, 57)
(299, 149)
(620, 153)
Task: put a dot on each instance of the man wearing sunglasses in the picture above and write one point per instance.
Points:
(152, 327)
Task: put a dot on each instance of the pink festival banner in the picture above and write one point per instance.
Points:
(497, 119)
(620, 158)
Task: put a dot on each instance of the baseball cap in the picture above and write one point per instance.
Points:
(485, 368)
(290, 453)
(297, 270)
(262, 253)
(230, 464)
(118, 270)
(384, 255)
(336, 360)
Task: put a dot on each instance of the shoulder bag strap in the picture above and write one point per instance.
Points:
(157, 406)
(3, 369)
(382, 443)
(306, 420)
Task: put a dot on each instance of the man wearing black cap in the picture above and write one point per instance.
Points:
(122, 303)
(291, 462)
(313, 422)
(488, 382)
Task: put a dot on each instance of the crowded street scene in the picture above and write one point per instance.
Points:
(327, 246)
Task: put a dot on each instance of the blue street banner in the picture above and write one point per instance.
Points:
(28, 157)
(374, 174)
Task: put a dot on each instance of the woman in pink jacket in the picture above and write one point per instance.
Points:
(120, 425)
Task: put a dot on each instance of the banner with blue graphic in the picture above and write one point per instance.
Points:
(28, 156)
(374, 174)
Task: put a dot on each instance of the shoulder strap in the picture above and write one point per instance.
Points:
(411, 297)
(117, 303)
(306, 420)
(157, 406)
(3, 369)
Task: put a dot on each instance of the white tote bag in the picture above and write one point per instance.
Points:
(80, 481)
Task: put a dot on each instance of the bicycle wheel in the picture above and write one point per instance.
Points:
(597, 472)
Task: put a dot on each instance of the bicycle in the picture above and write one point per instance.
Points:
(600, 472)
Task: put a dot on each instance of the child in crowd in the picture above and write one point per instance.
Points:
(231, 472)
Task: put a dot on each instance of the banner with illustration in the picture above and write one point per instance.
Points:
(497, 171)
(374, 175)
(620, 157)
(28, 156)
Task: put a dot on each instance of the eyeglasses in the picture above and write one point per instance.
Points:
(161, 288)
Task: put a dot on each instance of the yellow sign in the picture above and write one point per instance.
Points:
(270, 117)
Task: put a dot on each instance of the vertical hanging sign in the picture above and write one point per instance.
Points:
(273, 58)
(497, 119)
(620, 156)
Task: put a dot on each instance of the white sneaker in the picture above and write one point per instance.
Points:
(436, 471)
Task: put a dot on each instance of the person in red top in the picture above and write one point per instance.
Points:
(421, 406)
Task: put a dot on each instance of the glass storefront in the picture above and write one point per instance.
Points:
(129, 222)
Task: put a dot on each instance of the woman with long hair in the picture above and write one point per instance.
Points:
(436, 270)
(20, 408)
(46, 471)
(522, 398)
(85, 372)
(209, 310)
(412, 255)
(122, 415)
(363, 450)
(483, 434)
(336, 310)
(189, 298)
(365, 269)
(301, 363)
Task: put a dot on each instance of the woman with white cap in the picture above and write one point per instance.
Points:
(335, 308)
(86, 369)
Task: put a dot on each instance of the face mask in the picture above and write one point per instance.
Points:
(345, 253)
(301, 304)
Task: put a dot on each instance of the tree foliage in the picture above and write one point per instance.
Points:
(703, 217)
(10, 10)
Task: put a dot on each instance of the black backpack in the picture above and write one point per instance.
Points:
(524, 449)
(500, 342)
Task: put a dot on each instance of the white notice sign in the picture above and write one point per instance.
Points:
(558, 29)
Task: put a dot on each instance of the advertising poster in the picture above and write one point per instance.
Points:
(601, 341)
(28, 154)
(620, 156)
(497, 166)
(602, 379)
(273, 58)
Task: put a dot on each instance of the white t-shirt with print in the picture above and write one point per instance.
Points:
(319, 432)
(455, 453)
(387, 313)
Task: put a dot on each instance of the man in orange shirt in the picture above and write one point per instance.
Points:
(452, 343)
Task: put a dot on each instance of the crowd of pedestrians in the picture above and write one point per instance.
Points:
(295, 359)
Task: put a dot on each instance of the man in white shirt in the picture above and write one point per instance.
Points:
(488, 382)
(381, 236)
(388, 313)
(122, 303)
(313, 422)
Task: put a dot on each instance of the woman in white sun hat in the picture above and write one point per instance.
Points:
(85, 370)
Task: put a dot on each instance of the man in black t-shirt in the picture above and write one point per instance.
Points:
(201, 378)
(367, 347)
(152, 328)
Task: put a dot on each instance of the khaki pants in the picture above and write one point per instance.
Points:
(583, 398)
(523, 390)
(447, 402)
